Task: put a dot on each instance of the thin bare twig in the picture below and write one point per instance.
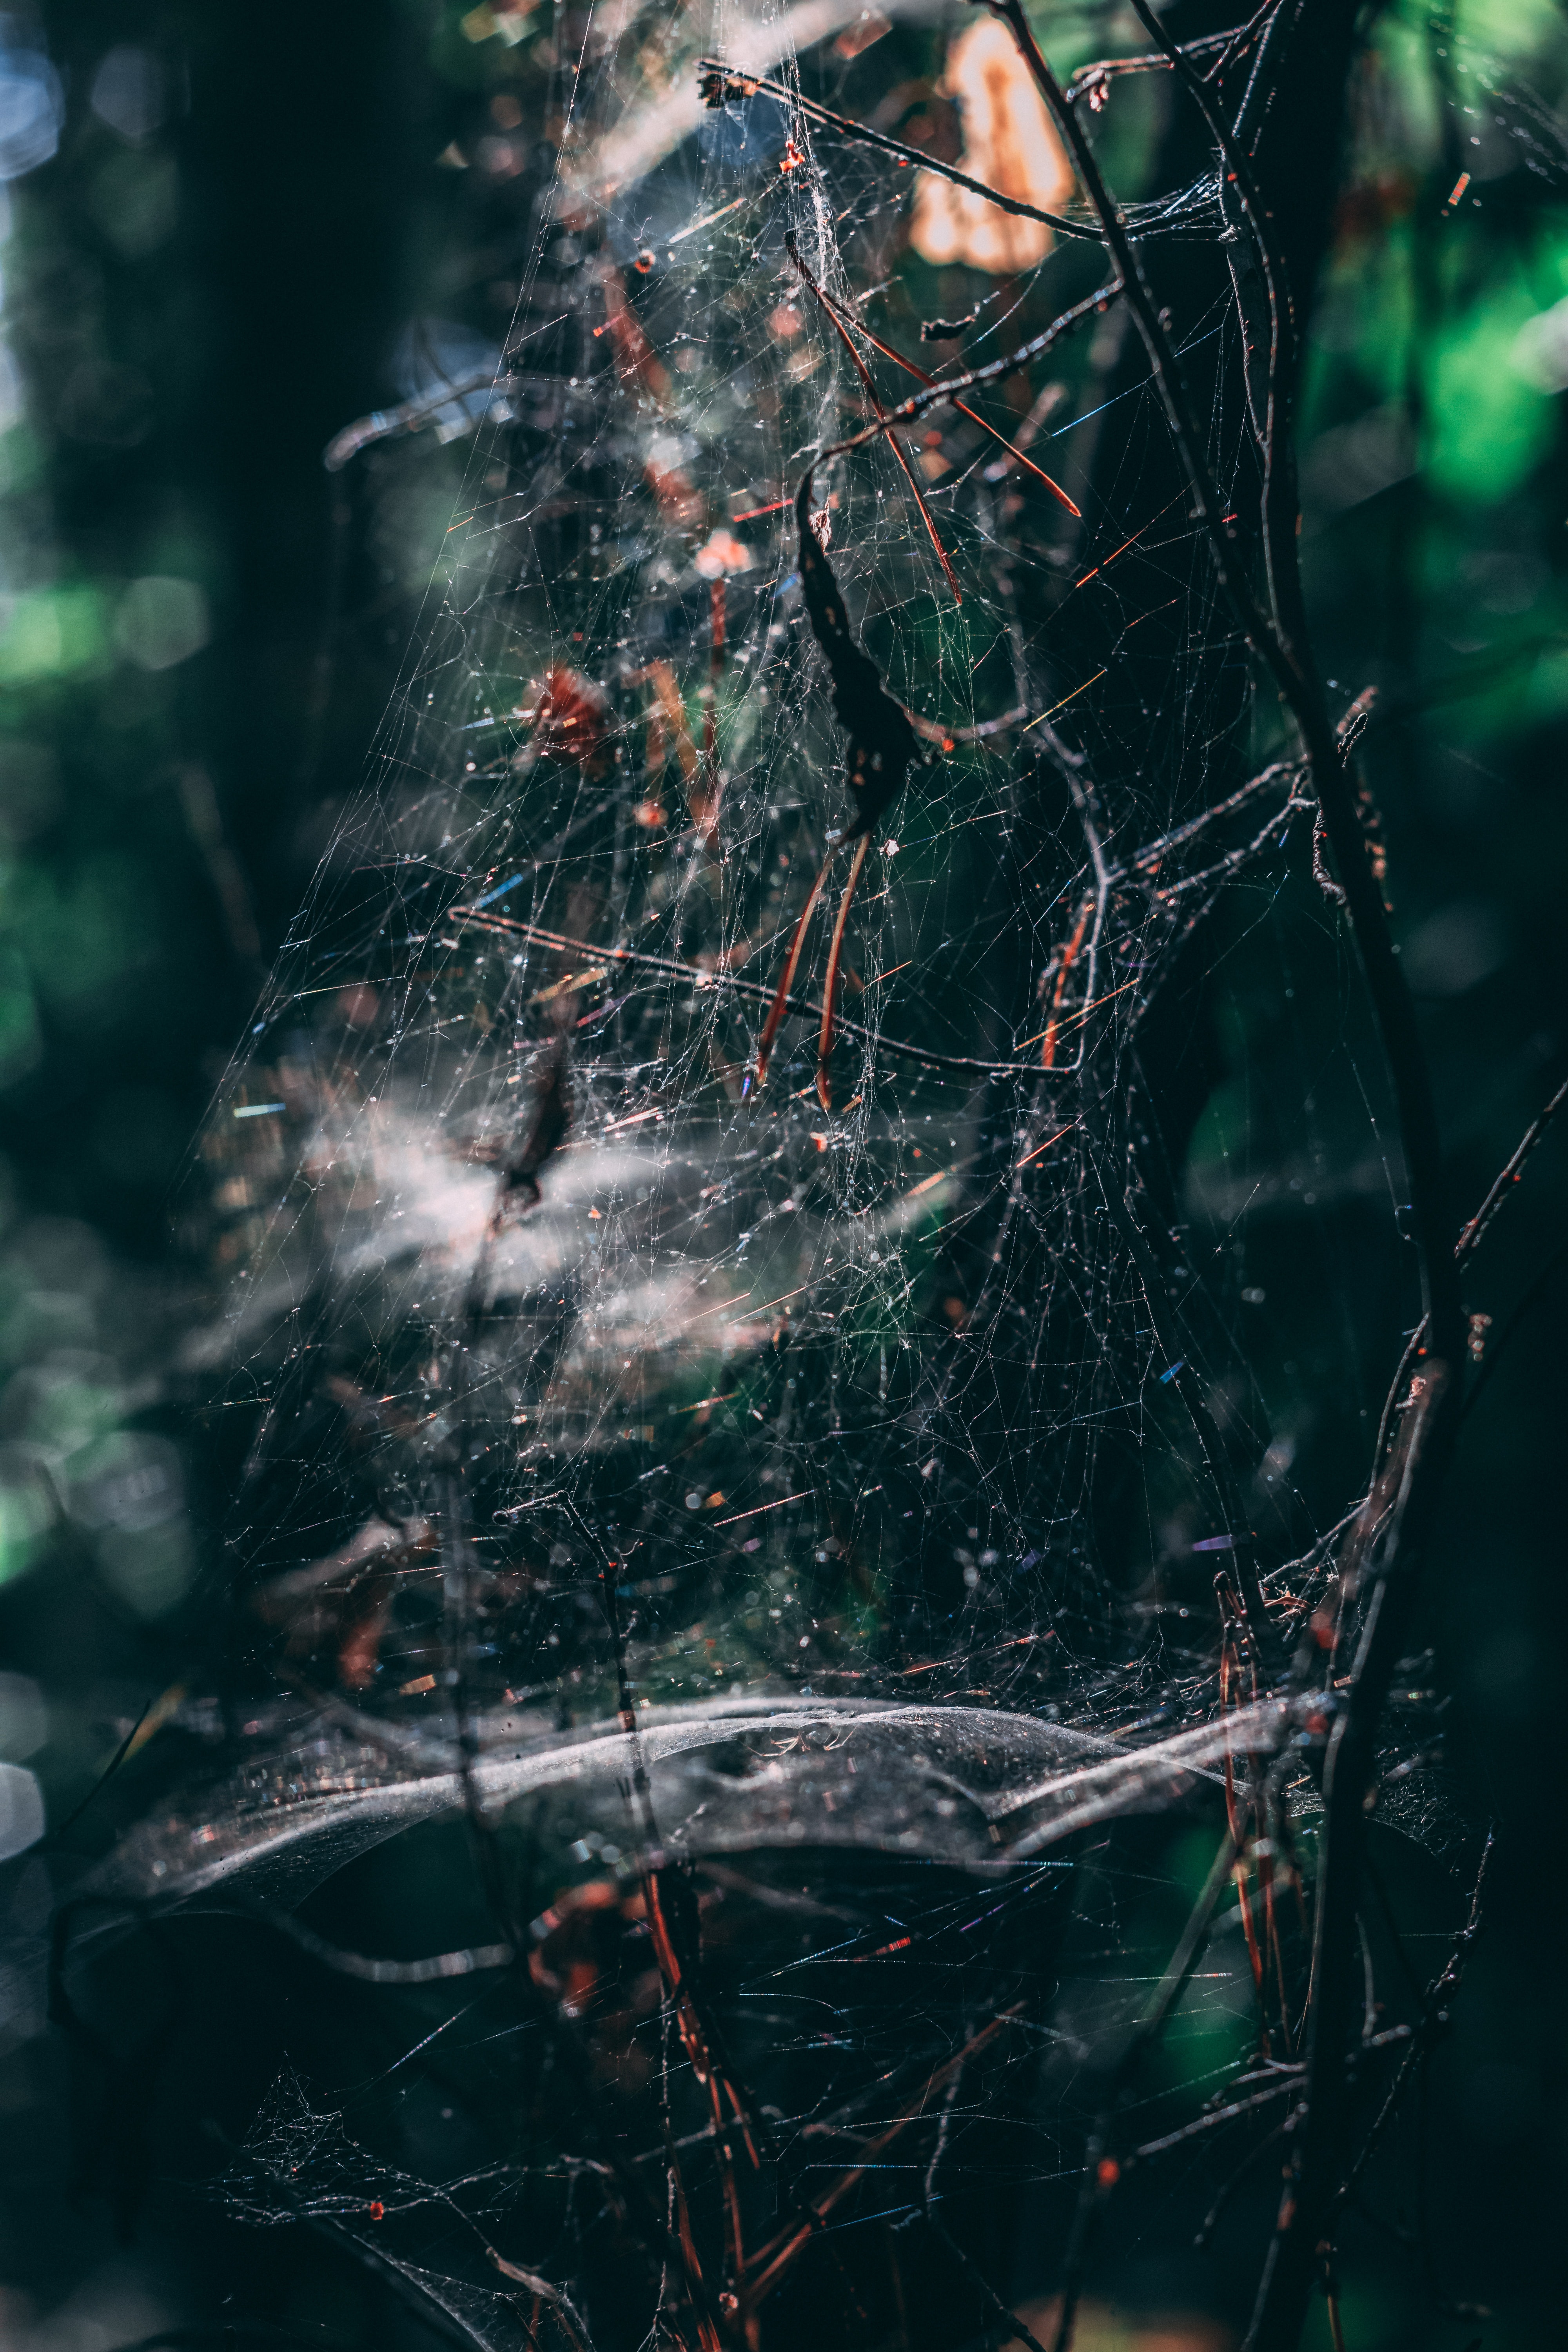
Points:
(1100, 2169)
(939, 2229)
(1014, 449)
(1432, 2024)
(1289, 2271)
(992, 371)
(867, 386)
(1471, 1235)
(1218, 45)
(1522, 1308)
(415, 2299)
(636, 958)
(720, 82)
(1278, 508)
(770, 2263)
(1313, 2174)
(477, 1959)
(410, 415)
(1386, 980)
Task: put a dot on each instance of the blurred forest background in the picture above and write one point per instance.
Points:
(228, 233)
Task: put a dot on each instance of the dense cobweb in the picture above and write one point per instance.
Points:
(835, 1354)
(778, 1500)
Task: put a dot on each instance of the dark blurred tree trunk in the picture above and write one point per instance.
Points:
(303, 156)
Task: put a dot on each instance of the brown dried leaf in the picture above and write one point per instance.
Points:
(1011, 144)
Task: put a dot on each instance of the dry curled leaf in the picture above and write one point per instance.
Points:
(1010, 143)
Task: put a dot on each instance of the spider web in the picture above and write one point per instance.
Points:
(741, 1342)
(785, 1515)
